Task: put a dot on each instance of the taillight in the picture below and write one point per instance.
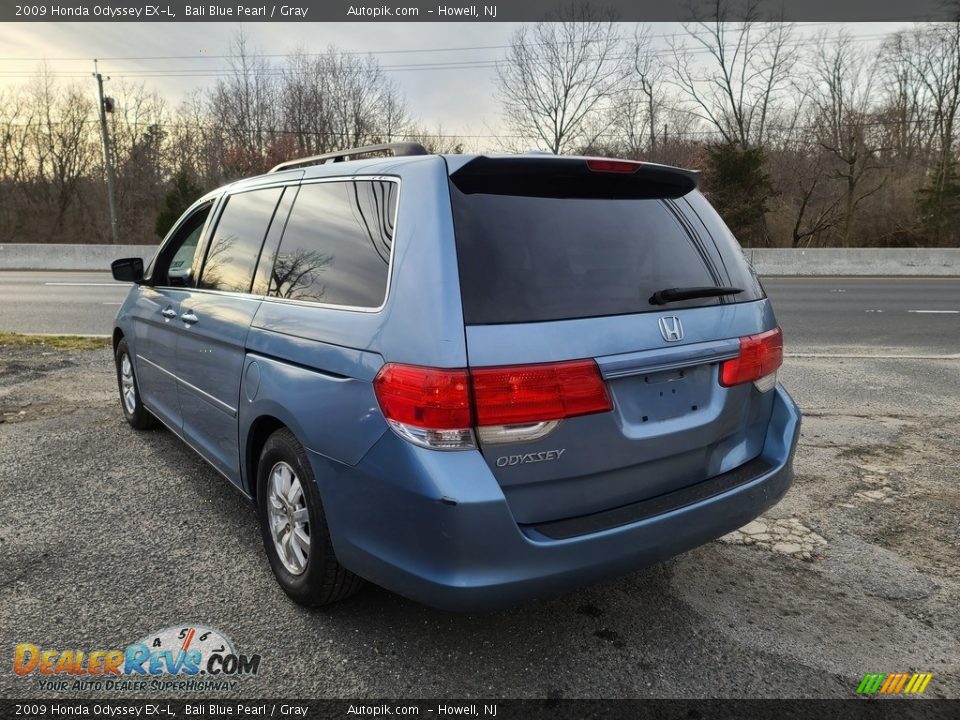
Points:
(428, 406)
(759, 359)
(613, 166)
(536, 393)
(440, 408)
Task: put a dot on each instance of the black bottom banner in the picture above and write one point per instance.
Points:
(487, 709)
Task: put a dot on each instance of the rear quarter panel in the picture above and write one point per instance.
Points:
(331, 412)
(315, 365)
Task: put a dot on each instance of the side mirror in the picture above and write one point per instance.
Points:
(127, 270)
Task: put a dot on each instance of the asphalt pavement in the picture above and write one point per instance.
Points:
(874, 315)
(819, 315)
(59, 302)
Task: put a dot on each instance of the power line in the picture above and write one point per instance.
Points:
(483, 64)
(454, 136)
(328, 53)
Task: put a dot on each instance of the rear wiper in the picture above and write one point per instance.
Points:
(662, 297)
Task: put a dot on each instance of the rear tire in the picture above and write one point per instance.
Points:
(294, 526)
(136, 414)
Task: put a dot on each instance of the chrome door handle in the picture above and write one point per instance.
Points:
(169, 313)
(189, 318)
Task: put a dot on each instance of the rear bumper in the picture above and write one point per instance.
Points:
(435, 527)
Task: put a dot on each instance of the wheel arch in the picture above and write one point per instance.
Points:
(260, 429)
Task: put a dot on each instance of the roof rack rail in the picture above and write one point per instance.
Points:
(398, 149)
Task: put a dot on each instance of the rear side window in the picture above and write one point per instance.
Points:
(735, 265)
(535, 259)
(337, 243)
(237, 240)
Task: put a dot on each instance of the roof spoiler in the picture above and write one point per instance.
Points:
(396, 149)
(573, 177)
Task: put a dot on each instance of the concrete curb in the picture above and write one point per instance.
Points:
(878, 262)
(28, 256)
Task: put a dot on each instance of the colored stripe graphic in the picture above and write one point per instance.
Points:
(870, 683)
(894, 683)
(901, 681)
(888, 683)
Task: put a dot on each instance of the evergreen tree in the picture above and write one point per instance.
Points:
(938, 202)
(181, 196)
(740, 189)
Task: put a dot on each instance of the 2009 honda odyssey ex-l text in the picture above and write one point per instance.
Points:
(470, 379)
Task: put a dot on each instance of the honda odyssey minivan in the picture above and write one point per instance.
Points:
(470, 379)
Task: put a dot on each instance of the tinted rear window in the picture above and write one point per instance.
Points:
(336, 246)
(535, 259)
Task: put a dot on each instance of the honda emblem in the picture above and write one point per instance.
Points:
(670, 328)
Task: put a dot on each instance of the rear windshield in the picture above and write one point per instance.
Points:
(535, 259)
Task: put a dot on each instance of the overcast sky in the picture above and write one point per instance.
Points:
(461, 99)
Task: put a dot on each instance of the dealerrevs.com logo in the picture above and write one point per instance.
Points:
(187, 657)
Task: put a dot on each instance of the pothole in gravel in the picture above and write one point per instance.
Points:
(882, 494)
(30, 410)
(877, 482)
(786, 536)
(32, 369)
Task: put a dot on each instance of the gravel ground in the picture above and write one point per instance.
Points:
(108, 534)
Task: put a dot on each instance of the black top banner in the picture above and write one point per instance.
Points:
(491, 11)
(217, 709)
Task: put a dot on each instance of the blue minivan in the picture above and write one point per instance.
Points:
(470, 379)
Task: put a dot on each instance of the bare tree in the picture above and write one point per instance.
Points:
(194, 143)
(15, 121)
(925, 67)
(739, 89)
(305, 114)
(63, 149)
(635, 110)
(559, 75)
(649, 73)
(336, 100)
(809, 206)
(436, 140)
(366, 106)
(245, 105)
(841, 93)
(907, 104)
(138, 134)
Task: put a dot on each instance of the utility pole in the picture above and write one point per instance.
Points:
(107, 155)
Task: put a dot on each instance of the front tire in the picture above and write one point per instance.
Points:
(294, 526)
(136, 414)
